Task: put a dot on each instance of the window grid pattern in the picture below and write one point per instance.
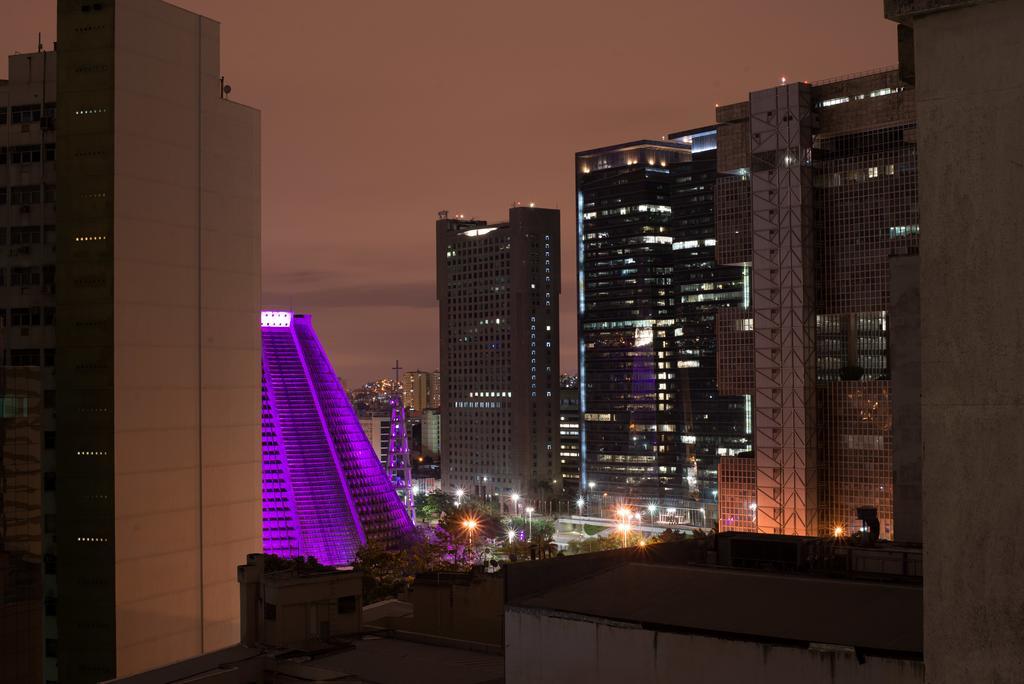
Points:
(855, 438)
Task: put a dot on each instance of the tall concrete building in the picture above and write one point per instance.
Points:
(654, 423)
(964, 59)
(418, 390)
(434, 400)
(817, 200)
(430, 433)
(158, 285)
(498, 288)
(27, 318)
(377, 428)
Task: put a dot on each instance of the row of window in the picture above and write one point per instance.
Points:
(27, 154)
(22, 317)
(23, 114)
(31, 357)
(28, 194)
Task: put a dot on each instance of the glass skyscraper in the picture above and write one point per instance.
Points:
(653, 422)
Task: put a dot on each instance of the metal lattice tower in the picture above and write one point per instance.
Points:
(399, 468)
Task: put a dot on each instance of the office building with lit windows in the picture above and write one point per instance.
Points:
(653, 421)
(569, 435)
(817, 200)
(498, 289)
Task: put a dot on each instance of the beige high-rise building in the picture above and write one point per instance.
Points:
(419, 389)
(158, 288)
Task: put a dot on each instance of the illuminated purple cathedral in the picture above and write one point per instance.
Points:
(325, 493)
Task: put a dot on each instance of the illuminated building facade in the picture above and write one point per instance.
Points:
(653, 421)
(569, 435)
(498, 287)
(325, 492)
(817, 194)
(419, 391)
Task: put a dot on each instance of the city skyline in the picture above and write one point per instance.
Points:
(329, 249)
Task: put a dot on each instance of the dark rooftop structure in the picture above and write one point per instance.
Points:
(722, 598)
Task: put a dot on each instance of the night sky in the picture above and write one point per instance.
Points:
(378, 114)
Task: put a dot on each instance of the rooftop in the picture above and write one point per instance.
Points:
(837, 596)
(367, 659)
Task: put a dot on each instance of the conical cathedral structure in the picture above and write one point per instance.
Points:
(325, 493)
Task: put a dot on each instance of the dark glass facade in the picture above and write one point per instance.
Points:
(653, 424)
(709, 424)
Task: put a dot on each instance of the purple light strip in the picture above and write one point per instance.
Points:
(339, 495)
(330, 441)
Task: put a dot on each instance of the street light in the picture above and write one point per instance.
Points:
(511, 535)
(515, 502)
(470, 526)
(624, 528)
(458, 497)
(579, 504)
(529, 518)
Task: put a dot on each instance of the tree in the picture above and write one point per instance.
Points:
(300, 564)
(433, 505)
(594, 544)
(389, 572)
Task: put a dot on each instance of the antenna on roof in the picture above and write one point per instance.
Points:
(40, 46)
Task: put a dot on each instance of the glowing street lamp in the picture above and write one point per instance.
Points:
(458, 497)
(470, 525)
(511, 535)
(579, 504)
(624, 528)
(515, 502)
(529, 518)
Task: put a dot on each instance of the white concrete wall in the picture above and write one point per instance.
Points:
(970, 93)
(547, 649)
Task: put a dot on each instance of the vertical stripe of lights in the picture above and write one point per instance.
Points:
(582, 360)
(746, 287)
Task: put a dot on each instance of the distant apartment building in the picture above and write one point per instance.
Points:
(418, 391)
(434, 399)
(377, 428)
(817, 199)
(151, 450)
(569, 437)
(654, 423)
(498, 289)
(430, 433)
